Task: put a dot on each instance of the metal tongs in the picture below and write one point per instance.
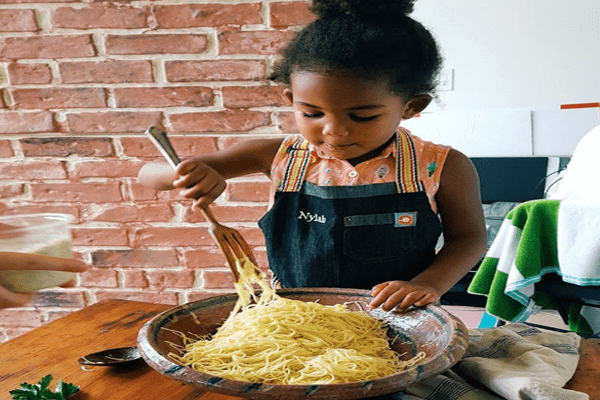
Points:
(230, 241)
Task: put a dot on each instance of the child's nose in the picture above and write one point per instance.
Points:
(334, 128)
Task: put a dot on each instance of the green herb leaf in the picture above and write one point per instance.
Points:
(67, 389)
(41, 391)
(45, 382)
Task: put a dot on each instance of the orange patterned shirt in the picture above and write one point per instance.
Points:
(324, 170)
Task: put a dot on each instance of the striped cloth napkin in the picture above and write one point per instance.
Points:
(514, 361)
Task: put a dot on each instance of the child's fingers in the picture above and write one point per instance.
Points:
(28, 261)
(186, 166)
(377, 289)
(412, 298)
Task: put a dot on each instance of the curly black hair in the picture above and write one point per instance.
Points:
(373, 39)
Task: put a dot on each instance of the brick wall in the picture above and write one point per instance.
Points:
(81, 80)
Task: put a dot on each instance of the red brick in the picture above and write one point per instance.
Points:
(248, 191)
(55, 314)
(228, 213)
(43, 47)
(42, 208)
(215, 70)
(286, 122)
(134, 213)
(210, 257)
(254, 42)
(185, 145)
(229, 140)
(42, 98)
(172, 236)
(253, 236)
(166, 279)
(135, 258)
(27, 74)
(26, 122)
(217, 279)
(18, 20)
(156, 44)
(21, 318)
(103, 15)
(94, 192)
(137, 192)
(197, 296)
(220, 121)
(55, 298)
(63, 147)
(164, 97)
(253, 96)
(105, 169)
(8, 191)
(134, 279)
(112, 122)
(206, 15)
(143, 296)
(99, 236)
(110, 71)
(6, 149)
(33, 170)
(290, 14)
(99, 277)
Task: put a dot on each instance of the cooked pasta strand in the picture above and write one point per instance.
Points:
(282, 341)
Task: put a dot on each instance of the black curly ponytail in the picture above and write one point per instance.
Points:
(371, 38)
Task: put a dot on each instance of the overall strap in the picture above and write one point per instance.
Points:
(295, 169)
(407, 171)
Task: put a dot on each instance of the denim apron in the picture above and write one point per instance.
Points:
(350, 236)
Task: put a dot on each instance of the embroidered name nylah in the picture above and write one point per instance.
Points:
(309, 217)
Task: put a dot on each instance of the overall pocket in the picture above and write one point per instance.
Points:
(380, 237)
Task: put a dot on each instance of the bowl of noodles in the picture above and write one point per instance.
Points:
(267, 350)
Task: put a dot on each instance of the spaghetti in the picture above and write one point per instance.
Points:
(283, 341)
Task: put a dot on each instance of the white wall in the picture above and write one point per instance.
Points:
(510, 59)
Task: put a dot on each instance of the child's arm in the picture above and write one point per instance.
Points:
(459, 203)
(203, 178)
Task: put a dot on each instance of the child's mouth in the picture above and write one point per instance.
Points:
(337, 146)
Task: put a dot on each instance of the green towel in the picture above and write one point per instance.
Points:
(524, 250)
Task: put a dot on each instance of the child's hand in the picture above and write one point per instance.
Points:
(200, 182)
(402, 294)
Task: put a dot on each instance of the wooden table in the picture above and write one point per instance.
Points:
(55, 347)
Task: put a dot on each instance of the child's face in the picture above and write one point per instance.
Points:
(344, 116)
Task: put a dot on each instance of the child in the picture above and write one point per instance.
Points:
(358, 202)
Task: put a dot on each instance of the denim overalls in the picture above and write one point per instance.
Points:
(350, 236)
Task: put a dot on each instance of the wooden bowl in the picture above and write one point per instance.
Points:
(440, 335)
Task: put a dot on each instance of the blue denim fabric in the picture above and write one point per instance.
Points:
(349, 236)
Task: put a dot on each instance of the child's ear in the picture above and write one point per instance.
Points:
(289, 95)
(416, 104)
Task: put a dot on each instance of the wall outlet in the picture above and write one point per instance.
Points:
(446, 79)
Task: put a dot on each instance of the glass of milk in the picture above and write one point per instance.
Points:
(45, 233)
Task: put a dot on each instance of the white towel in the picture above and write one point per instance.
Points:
(578, 231)
(578, 240)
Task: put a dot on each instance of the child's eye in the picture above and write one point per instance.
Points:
(363, 119)
(315, 115)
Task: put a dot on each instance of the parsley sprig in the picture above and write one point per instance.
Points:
(40, 391)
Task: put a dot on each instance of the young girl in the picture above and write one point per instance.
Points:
(359, 202)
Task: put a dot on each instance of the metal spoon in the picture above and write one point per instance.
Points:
(111, 356)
